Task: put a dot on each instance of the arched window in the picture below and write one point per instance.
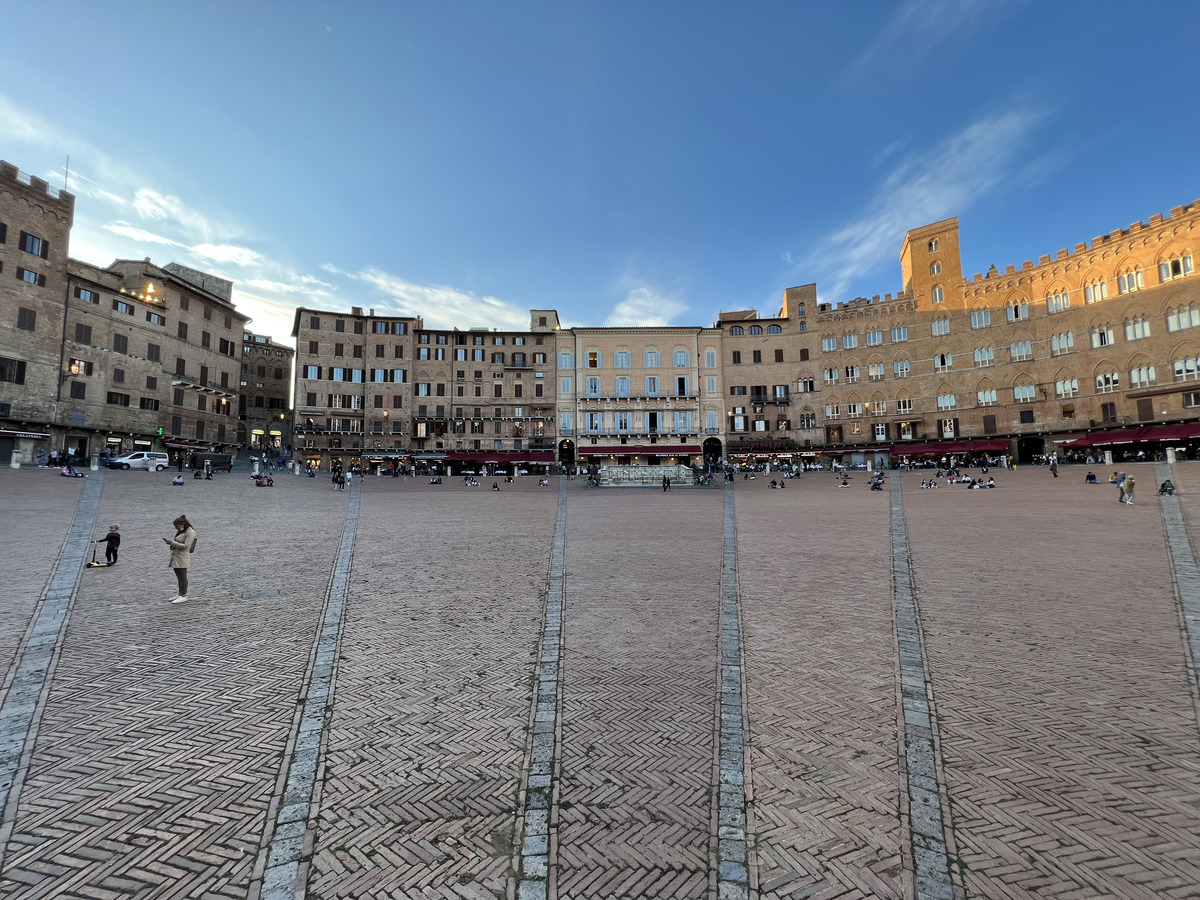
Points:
(937, 295)
(756, 329)
(1141, 376)
(774, 329)
(1184, 317)
(1137, 328)
(804, 326)
(1061, 343)
(942, 362)
(737, 330)
(1131, 280)
(1021, 350)
(1095, 292)
(934, 246)
(1175, 268)
(985, 356)
(935, 268)
(941, 326)
(1018, 311)
(1102, 336)
(1058, 301)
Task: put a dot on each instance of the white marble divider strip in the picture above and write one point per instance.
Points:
(282, 864)
(1183, 567)
(733, 880)
(927, 830)
(539, 821)
(27, 685)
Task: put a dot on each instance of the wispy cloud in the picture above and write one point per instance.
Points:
(919, 27)
(646, 306)
(438, 305)
(228, 253)
(980, 159)
(125, 230)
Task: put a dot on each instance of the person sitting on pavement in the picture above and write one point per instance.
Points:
(1167, 487)
(991, 482)
(1091, 478)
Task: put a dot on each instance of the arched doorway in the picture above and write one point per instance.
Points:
(712, 453)
(1028, 448)
(566, 454)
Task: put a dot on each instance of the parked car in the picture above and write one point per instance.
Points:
(141, 459)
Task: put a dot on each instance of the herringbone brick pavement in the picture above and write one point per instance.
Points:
(641, 612)
(814, 564)
(1067, 719)
(37, 506)
(434, 691)
(163, 734)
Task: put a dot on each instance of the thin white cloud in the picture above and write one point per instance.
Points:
(645, 306)
(18, 125)
(438, 305)
(228, 253)
(919, 27)
(124, 229)
(982, 158)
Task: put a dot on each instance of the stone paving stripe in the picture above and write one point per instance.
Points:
(289, 835)
(926, 827)
(1183, 567)
(27, 684)
(539, 820)
(733, 881)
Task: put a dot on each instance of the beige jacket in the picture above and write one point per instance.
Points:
(181, 548)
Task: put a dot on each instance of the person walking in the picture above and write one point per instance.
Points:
(1054, 465)
(182, 545)
(1119, 481)
(1127, 487)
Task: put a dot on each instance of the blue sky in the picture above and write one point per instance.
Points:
(625, 163)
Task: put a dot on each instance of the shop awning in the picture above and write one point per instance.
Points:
(32, 435)
(179, 445)
(1105, 438)
(920, 449)
(641, 450)
(1182, 432)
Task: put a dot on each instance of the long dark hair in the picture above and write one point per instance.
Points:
(181, 524)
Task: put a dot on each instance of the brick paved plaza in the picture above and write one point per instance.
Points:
(535, 693)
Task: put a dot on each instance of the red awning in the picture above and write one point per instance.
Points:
(1105, 438)
(641, 450)
(1181, 432)
(948, 447)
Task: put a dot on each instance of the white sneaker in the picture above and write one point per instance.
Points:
(180, 600)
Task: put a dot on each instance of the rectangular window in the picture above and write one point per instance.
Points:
(899, 333)
(121, 343)
(981, 318)
(12, 371)
(901, 368)
(681, 359)
(622, 385)
(710, 384)
(593, 360)
(651, 385)
(86, 295)
(182, 331)
(757, 356)
(31, 243)
(155, 319)
(118, 376)
(27, 319)
(31, 277)
(78, 390)
(828, 344)
(849, 341)
(83, 334)
(874, 338)
(566, 360)
(116, 399)
(592, 387)
(148, 403)
(710, 359)
(122, 307)
(737, 357)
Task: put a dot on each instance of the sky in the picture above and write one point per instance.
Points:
(626, 163)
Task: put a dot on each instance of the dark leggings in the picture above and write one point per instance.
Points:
(181, 576)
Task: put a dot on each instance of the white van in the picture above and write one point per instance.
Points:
(141, 459)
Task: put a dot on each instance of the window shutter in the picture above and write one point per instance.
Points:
(20, 379)
(887, 431)
(41, 281)
(3, 233)
(956, 427)
(45, 249)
